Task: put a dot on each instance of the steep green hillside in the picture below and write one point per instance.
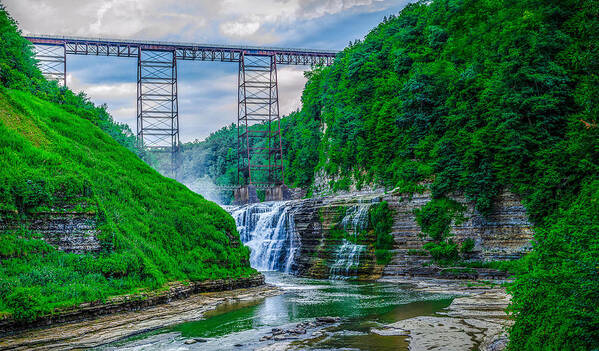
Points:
(153, 229)
(59, 156)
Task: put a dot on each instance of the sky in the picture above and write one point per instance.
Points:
(207, 90)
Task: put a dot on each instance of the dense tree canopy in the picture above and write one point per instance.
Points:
(476, 97)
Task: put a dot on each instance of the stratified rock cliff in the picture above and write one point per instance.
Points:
(68, 230)
(503, 234)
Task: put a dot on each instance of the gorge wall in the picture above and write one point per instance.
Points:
(331, 237)
(68, 230)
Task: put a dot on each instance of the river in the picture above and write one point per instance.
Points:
(361, 306)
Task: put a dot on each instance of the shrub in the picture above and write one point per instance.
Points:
(467, 246)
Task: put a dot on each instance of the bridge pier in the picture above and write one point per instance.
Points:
(278, 193)
(245, 195)
(52, 61)
(157, 102)
(259, 146)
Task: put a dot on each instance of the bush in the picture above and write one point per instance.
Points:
(444, 251)
(467, 246)
(381, 221)
(25, 303)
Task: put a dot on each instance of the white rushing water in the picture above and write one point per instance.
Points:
(356, 218)
(347, 258)
(268, 230)
(346, 261)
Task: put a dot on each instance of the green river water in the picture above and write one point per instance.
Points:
(362, 306)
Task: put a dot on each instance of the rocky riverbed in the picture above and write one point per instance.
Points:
(113, 327)
(476, 318)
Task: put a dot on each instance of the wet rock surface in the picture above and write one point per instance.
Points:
(476, 319)
(283, 337)
(132, 302)
(113, 327)
(504, 234)
(68, 231)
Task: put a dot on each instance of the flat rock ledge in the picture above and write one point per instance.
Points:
(95, 324)
(476, 319)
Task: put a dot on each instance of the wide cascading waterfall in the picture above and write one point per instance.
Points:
(268, 229)
(347, 258)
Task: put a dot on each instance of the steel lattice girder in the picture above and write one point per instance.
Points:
(258, 120)
(157, 104)
(52, 61)
(183, 51)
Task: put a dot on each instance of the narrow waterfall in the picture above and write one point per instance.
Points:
(347, 258)
(356, 218)
(268, 229)
(347, 261)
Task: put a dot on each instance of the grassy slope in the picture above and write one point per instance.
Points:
(153, 229)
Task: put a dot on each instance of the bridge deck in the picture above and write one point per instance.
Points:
(183, 51)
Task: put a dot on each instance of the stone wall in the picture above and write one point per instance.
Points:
(504, 234)
(314, 219)
(67, 231)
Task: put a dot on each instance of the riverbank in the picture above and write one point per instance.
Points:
(476, 318)
(98, 323)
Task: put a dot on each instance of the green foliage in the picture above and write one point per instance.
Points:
(24, 303)
(437, 215)
(381, 221)
(60, 153)
(556, 300)
(467, 246)
(443, 251)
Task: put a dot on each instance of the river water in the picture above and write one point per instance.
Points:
(268, 229)
(361, 306)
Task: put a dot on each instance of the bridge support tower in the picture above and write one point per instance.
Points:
(157, 102)
(259, 145)
(52, 61)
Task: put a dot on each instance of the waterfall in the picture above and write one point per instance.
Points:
(347, 258)
(346, 261)
(268, 229)
(356, 218)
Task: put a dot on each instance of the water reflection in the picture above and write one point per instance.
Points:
(361, 306)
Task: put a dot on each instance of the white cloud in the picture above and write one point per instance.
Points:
(239, 29)
(119, 97)
(256, 20)
(206, 101)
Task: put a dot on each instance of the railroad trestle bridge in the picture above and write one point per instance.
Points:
(258, 118)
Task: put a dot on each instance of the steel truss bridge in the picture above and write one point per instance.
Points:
(258, 117)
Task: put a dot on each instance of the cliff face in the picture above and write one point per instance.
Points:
(74, 232)
(504, 234)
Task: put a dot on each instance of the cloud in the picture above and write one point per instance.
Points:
(239, 29)
(119, 97)
(146, 19)
(207, 90)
